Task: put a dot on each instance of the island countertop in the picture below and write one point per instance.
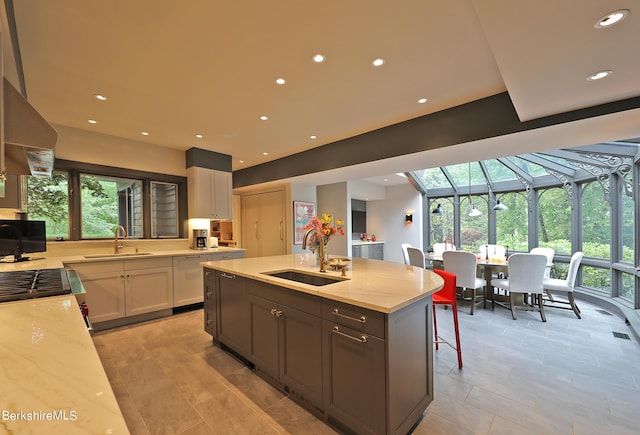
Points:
(51, 375)
(382, 286)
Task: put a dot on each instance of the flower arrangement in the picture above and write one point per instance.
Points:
(323, 224)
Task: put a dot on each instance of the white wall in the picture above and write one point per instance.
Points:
(300, 192)
(386, 219)
(89, 147)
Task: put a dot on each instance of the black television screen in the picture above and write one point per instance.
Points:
(19, 237)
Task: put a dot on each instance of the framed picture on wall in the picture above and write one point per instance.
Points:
(302, 213)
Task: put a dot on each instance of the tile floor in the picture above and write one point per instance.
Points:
(566, 376)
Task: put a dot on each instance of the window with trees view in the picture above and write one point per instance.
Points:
(511, 225)
(596, 222)
(474, 230)
(144, 206)
(554, 220)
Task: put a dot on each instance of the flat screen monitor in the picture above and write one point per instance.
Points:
(19, 237)
(358, 221)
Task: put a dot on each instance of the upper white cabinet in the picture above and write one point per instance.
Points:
(209, 193)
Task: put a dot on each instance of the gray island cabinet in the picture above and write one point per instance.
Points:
(357, 353)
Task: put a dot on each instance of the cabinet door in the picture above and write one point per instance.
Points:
(357, 251)
(264, 334)
(148, 290)
(233, 312)
(376, 251)
(301, 353)
(354, 378)
(105, 295)
(250, 232)
(222, 185)
(271, 223)
(187, 280)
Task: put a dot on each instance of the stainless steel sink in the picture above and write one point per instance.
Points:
(305, 277)
(128, 254)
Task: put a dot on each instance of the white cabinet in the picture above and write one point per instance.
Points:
(187, 279)
(209, 193)
(123, 288)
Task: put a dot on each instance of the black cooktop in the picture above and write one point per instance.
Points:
(26, 284)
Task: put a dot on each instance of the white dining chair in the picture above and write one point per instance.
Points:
(549, 253)
(405, 254)
(416, 256)
(565, 286)
(526, 273)
(464, 265)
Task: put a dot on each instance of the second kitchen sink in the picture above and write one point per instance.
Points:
(304, 277)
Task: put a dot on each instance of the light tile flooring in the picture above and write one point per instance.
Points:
(566, 376)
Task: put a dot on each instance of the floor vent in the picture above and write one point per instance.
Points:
(606, 313)
(621, 335)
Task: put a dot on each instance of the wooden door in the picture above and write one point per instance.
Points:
(271, 223)
(250, 233)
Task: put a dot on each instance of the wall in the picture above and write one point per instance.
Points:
(334, 198)
(89, 147)
(386, 219)
(299, 192)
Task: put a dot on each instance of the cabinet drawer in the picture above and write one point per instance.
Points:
(90, 268)
(226, 255)
(360, 319)
(148, 263)
(301, 301)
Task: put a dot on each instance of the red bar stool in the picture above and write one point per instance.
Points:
(447, 296)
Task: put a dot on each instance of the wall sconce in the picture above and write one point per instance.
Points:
(408, 218)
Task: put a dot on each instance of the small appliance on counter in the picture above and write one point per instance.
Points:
(200, 239)
(213, 242)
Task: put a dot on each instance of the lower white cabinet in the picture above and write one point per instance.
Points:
(123, 288)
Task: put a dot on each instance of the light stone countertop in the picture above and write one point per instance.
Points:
(42, 261)
(382, 286)
(50, 368)
(364, 242)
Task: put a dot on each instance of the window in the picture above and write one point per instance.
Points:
(554, 220)
(596, 278)
(596, 222)
(108, 202)
(441, 224)
(628, 219)
(474, 230)
(48, 200)
(628, 286)
(164, 210)
(512, 225)
(145, 204)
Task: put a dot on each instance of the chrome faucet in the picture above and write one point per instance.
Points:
(320, 245)
(116, 246)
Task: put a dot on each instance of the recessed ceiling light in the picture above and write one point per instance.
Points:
(378, 62)
(611, 19)
(264, 118)
(92, 121)
(265, 154)
(317, 58)
(101, 97)
(313, 136)
(144, 133)
(422, 100)
(385, 179)
(280, 81)
(599, 75)
(199, 136)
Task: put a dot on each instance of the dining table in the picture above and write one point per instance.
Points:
(487, 267)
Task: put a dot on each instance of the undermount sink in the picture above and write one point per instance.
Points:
(128, 254)
(304, 277)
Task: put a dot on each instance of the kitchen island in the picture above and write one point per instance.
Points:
(355, 350)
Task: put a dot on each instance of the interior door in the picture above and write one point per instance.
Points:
(271, 224)
(250, 233)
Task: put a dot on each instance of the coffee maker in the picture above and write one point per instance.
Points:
(200, 238)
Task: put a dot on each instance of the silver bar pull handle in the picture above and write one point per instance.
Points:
(226, 275)
(362, 319)
(361, 339)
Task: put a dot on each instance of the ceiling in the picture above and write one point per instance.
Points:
(209, 68)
